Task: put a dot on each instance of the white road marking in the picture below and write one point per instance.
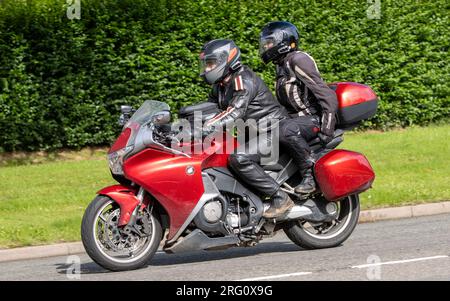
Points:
(276, 276)
(398, 261)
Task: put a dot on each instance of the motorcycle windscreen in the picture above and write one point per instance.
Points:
(341, 173)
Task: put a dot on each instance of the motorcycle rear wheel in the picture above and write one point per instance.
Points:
(108, 246)
(326, 235)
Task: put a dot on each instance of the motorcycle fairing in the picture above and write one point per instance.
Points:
(176, 181)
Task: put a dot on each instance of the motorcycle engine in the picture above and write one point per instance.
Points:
(211, 216)
(212, 211)
(237, 215)
(217, 213)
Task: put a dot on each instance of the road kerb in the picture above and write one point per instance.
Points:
(375, 215)
(63, 249)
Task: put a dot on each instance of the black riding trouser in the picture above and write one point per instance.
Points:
(294, 136)
(247, 159)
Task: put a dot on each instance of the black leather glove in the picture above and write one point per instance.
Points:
(327, 123)
(324, 139)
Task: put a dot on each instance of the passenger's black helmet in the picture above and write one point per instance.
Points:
(277, 39)
(218, 59)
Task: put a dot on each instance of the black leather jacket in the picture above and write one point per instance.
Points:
(302, 91)
(245, 96)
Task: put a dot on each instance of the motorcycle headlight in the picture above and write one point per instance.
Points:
(115, 159)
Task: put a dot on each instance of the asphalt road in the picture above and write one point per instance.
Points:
(407, 249)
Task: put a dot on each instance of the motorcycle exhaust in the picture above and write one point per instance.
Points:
(297, 212)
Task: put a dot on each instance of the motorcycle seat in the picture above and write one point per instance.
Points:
(315, 144)
(282, 162)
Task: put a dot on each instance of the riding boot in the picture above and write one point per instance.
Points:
(308, 184)
(280, 203)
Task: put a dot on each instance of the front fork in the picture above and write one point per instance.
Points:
(140, 197)
(139, 224)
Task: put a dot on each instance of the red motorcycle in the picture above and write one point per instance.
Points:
(203, 206)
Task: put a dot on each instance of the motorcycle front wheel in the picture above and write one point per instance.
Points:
(329, 234)
(109, 245)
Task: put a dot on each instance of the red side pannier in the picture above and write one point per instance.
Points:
(341, 173)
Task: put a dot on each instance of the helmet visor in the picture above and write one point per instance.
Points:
(266, 44)
(209, 63)
(268, 41)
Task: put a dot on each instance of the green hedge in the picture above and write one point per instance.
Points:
(62, 81)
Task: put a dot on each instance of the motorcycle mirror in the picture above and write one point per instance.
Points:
(122, 120)
(162, 117)
(126, 109)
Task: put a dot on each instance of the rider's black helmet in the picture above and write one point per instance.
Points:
(218, 59)
(277, 39)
